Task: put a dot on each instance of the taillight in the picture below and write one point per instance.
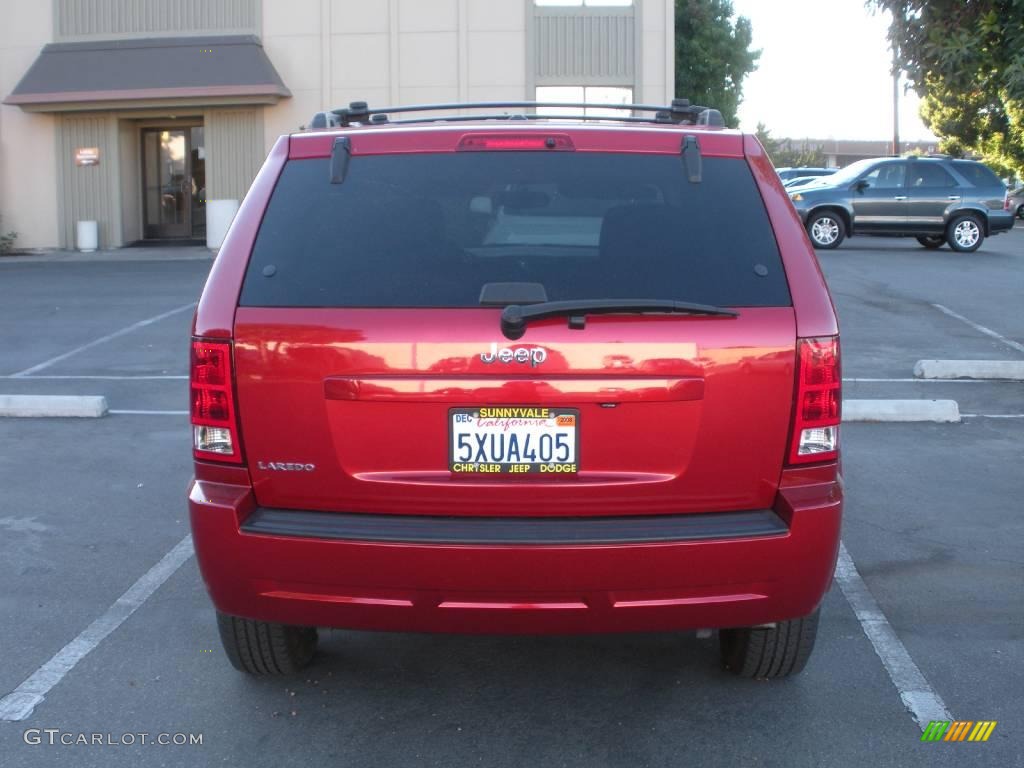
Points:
(818, 405)
(214, 420)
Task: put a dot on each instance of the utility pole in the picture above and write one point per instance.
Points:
(895, 103)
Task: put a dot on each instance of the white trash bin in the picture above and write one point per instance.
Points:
(219, 215)
(87, 236)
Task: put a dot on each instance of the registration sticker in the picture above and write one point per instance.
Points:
(508, 440)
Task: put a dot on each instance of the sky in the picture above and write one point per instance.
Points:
(824, 72)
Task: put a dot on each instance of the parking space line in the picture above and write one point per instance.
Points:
(992, 415)
(89, 377)
(981, 328)
(920, 699)
(20, 703)
(861, 380)
(103, 340)
(131, 412)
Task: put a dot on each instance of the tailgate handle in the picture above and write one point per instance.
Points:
(484, 391)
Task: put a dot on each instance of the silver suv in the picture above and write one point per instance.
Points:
(1015, 202)
(935, 199)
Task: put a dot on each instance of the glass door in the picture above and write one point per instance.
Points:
(167, 183)
(197, 160)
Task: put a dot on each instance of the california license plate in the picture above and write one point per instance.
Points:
(513, 440)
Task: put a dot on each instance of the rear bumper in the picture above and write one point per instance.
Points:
(1000, 221)
(777, 564)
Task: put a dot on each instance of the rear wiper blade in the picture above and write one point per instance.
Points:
(515, 317)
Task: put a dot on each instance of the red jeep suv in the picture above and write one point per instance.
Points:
(504, 373)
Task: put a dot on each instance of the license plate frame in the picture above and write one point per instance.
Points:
(546, 420)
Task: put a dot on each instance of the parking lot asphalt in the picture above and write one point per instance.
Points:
(932, 523)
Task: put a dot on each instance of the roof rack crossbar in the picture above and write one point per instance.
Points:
(514, 118)
(679, 111)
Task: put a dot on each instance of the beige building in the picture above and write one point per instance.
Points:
(839, 153)
(151, 117)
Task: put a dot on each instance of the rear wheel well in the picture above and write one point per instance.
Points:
(978, 214)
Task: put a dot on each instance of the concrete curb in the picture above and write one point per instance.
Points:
(42, 406)
(940, 411)
(1006, 370)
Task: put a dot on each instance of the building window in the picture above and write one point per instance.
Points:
(588, 3)
(591, 94)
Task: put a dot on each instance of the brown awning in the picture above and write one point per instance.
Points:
(146, 71)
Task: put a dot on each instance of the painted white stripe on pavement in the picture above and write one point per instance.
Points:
(920, 699)
(130, 412)
(103, 340)
(980, 328)
(83, 377)
(861, 380)
(992, 415)
(19, 704)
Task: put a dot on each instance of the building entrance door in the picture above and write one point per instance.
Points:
(174, 183)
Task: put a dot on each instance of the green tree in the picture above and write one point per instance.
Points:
(787, 153)
(966, 61)
(713, 55)
(770, 143)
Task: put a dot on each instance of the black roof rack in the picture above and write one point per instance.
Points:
(679, 112)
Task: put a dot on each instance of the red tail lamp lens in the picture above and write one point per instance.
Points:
(210, 363)
(214, 421)
(818, 406)
(210, 406)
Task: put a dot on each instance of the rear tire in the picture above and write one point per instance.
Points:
(265, 648)
(826, 229)
(768, 653)
(931, 241)
(965, 234)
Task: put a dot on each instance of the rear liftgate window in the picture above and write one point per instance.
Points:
(430, 230)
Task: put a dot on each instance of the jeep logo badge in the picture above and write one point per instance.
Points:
(532, 355)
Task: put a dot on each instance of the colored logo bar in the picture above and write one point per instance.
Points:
(958, 730)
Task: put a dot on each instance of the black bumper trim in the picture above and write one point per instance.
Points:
(429, 529)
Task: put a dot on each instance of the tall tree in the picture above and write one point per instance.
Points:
(770, 143)
(713, 55)
(966, 61)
